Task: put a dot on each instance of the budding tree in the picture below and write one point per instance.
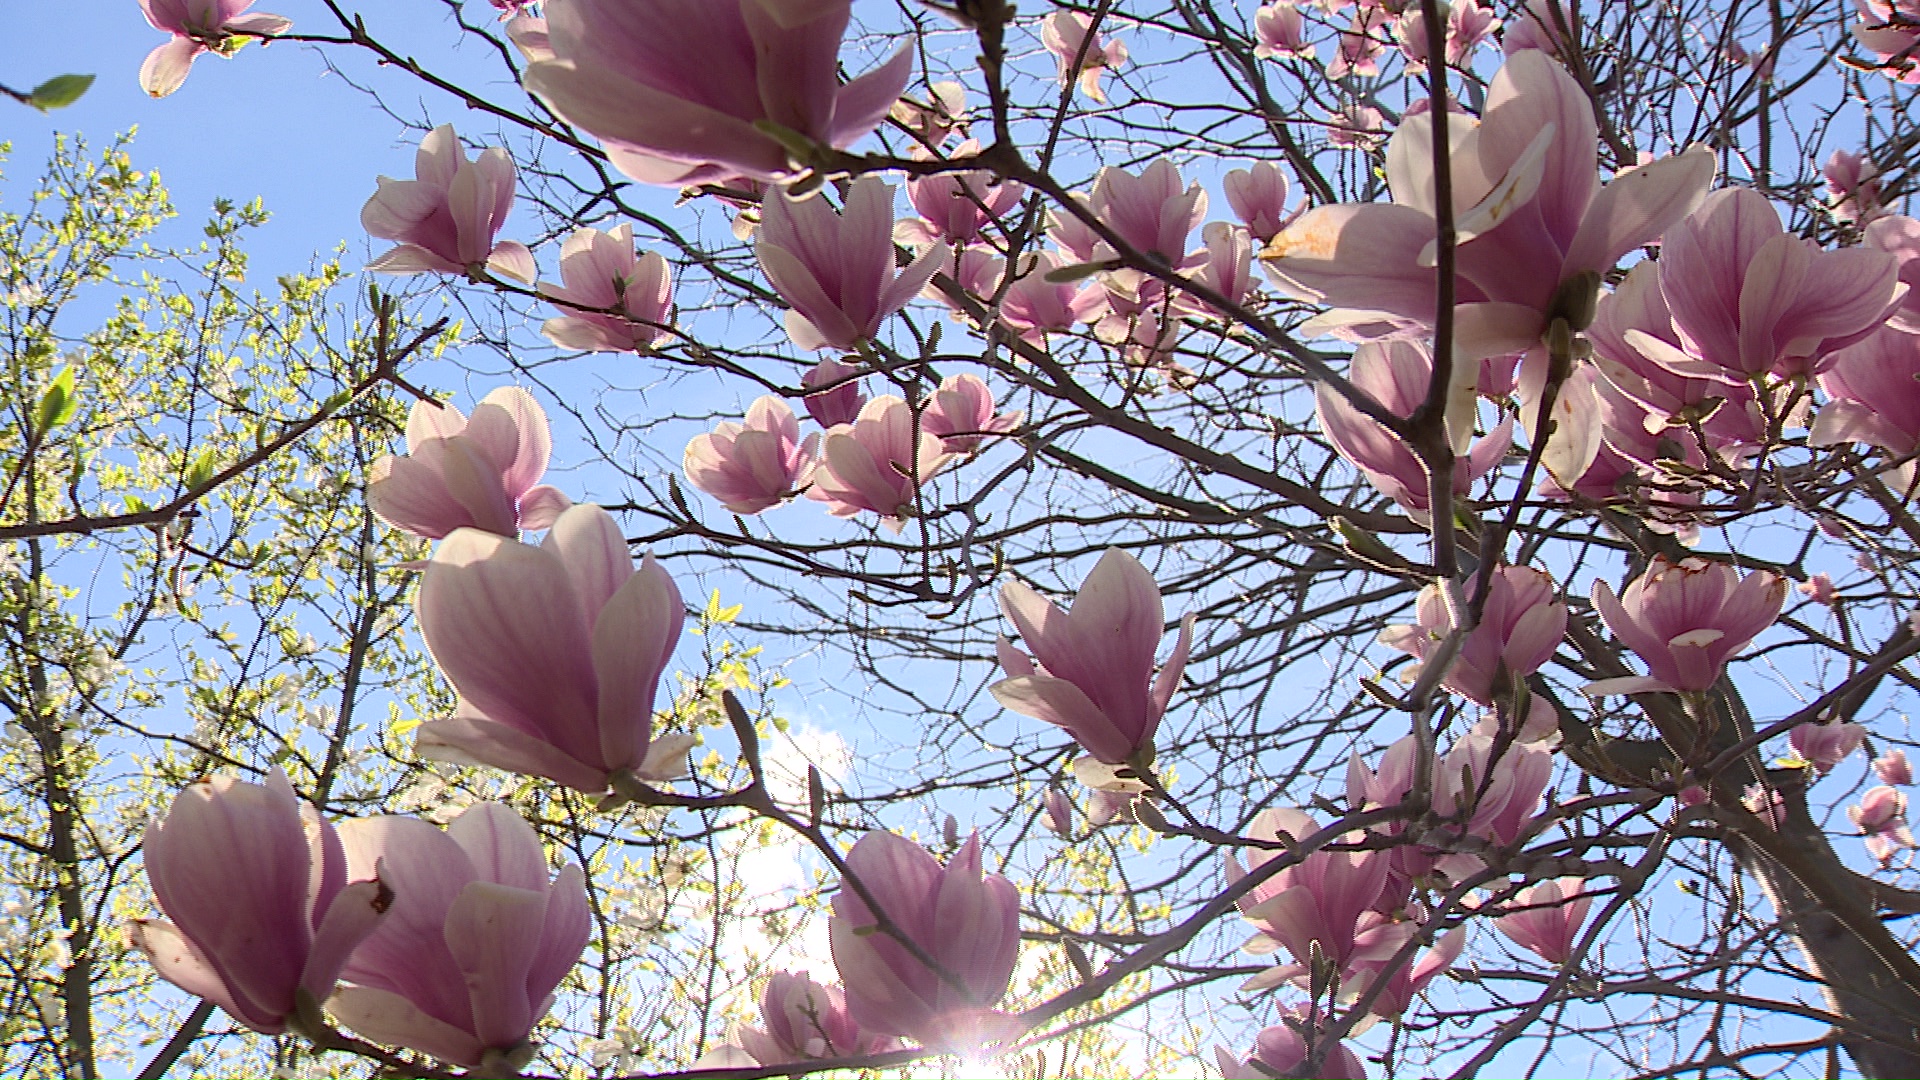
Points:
(1328, 540)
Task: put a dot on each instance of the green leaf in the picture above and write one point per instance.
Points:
(201, 470)
(58, 404)
(59, 91)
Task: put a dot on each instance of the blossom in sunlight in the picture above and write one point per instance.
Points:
(1404, 982)
(955, 206)
(1519, 630)
(1036, 307)
(1279, 32)
(1892, 768)
(602, 270)
(1535, 226)
(1092, 665)
(477, 940)
(755, 465)
(1258, 196)
(1888, 29)
(1766, 804)
(1899, 236)
(679, 91)
(1469, 24)
(1819, 589)
(1825, 745)
(1853, 187)
(556, 653)
(1224, 265)
(1495, 788)
(262, 903)
(877, 463)
(1748, 298)
(961, 412)
(1318, 903)
(445, 219)
(1870, 391)
(1356, 127)
(198, 26)
(836, 270)
(943, 112)
(841, 400)
(1282, 1051)
(1362, 43)
(805, 1021)
(1396, 374)
(1882, 817)
(1064, 33)
(477, 472)
(1686, 620)
(965, 922)
(1151, 212)
(1546, 918)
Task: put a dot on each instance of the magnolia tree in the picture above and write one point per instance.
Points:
(1312, 554)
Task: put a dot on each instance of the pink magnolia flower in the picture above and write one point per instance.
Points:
(1396, 374)
(1686, 620)
(1892, 768)
(1518, 632)
(1766, 804)
(1091, 671)
(1819, 589)
(942, 113)
(255, 884)
(462, 472)
(475, 943)
(1870, 391)
(836, 270)
(1356, 127)
(805, 1021)
(677, 90)
(1826, 745)
(1882, 817)
(841, 401)
(602, 270)
(198, 26)
(1361, 44)
(1224, 265)
(1469, 23)
(1546, 918)
(1036, 307)
(1279, 32)
(955, 206)
(1899, 236)
(1406, 981)
(1322, 899)
(1498, 796)
(753, 466)
(966, 923)
(1632, 329)
(1056, 813)
(1281, 1051)
(877, 463)
(556, 652)
(1151, 212)
(1748, 298)
(1258, 196)
(1531, 215)
(1064, 33)
(529, 34)
(446, 219)
(962, 414)
(1889, 30)
(1538, 28)
(1853, 187)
